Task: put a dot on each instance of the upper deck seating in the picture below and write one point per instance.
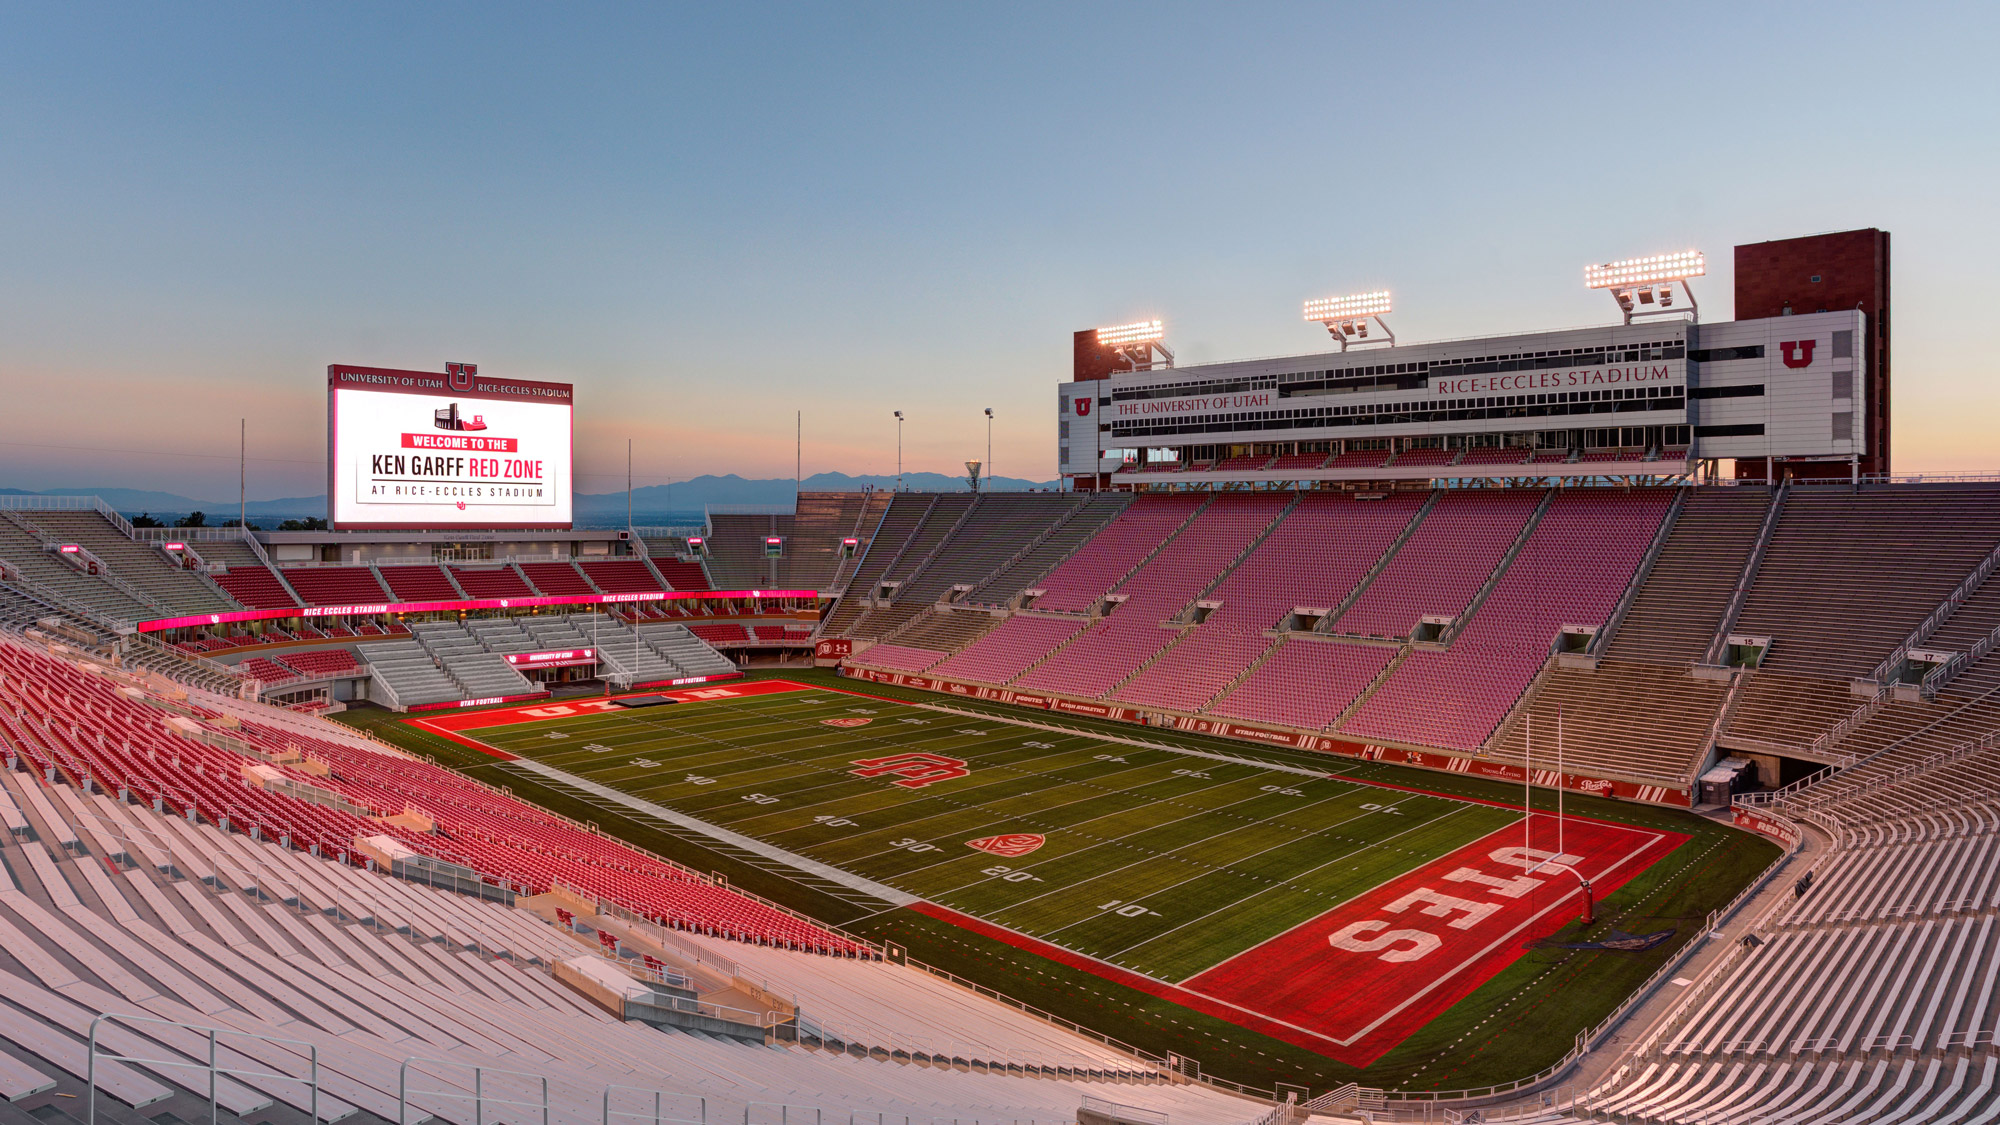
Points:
(1496, 455)
(256, 586)
(556, 578)
(622, 576)
(419, 583)
(682, 575)
(1244, 463)
(86, 593)
(1421, 457)
(336, 585)
(143, 565)
(1361, 459)
(1104, 561)
(491, 582)
(1312, 559)
(1455, 699)
(1295, 461)
(1115, 647)
(1446, 560)
(1096, 510)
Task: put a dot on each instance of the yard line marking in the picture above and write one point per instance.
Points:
(1120, 812)
(1211, 868)
(735, 839)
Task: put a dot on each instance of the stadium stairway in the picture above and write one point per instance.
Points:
(900, 520)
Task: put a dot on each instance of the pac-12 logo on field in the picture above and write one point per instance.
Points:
(851, 721)
(916, 769)
(1010, 844)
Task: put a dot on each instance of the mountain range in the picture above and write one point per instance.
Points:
(681, 502)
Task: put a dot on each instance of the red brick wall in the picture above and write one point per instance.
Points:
(1853, 271)
(1094, 360)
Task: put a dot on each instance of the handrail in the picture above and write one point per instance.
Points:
(1748, 579)
(214, 1070)
(1601, 643)
(1970, 583)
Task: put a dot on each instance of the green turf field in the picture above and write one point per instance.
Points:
(1139, 816)
(1155, 861)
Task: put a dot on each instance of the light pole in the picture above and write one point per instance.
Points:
(989, 444)
(899, 451)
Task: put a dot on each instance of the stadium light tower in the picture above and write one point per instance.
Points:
(989, 443)
(1138, 343)
(1346, 318)
(1649, 281)
(899, 451)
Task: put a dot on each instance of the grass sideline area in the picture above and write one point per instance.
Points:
(1514, 1024)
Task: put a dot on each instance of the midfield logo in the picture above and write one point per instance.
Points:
(856, 721)
(917, 769)
(1010, 844)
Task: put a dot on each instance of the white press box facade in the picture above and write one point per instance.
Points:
(1786, 387)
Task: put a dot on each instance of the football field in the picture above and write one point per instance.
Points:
(1336, 912)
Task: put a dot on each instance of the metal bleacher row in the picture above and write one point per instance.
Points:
(408, 1002)
(1870, 994)
(449, 660)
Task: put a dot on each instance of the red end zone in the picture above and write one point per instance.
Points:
(446, 726)
(1366, 974)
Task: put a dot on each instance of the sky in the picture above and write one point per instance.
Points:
(711, 217)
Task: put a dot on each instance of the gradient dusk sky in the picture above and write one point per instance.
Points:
(708, 217)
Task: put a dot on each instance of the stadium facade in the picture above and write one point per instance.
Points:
(1800, 390)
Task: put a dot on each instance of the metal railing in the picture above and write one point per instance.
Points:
(479, 1098)
(213, 1068)
(1123, 1112)
(68, 504)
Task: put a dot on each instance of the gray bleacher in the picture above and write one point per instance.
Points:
(482, 672)
(93, 594)
(689, 652)
(142, 565)
(410, 674)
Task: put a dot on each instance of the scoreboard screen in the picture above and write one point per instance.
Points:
(429, 451)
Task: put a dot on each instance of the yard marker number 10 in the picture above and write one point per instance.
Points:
(1129, 910)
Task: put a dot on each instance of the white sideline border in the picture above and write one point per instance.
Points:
(735, 839)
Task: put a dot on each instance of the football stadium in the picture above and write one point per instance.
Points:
(1555, 726)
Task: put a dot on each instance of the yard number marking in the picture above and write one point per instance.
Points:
(1129, 910)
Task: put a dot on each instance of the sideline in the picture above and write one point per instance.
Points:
(734, 839)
